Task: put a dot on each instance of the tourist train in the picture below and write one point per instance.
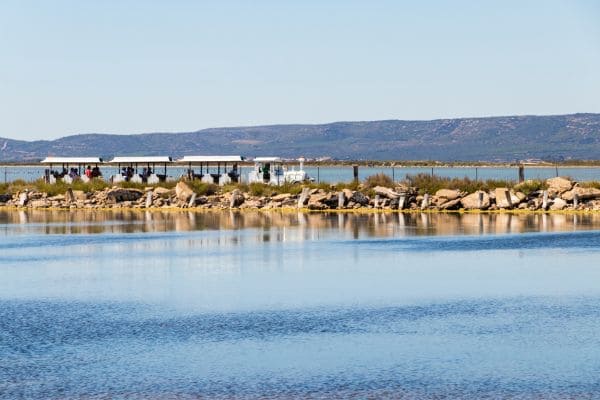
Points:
(221, 170)
(273, 171)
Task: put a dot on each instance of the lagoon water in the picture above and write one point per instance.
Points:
(336, 174)
(286, 305)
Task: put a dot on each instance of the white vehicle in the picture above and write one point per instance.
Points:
(273, 171)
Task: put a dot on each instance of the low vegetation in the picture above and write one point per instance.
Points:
(530, 186)
(590, 184)
(378, 180)
(427, 183)
(54, 189)
(202, 188)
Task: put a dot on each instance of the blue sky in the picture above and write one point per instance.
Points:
(127, 66)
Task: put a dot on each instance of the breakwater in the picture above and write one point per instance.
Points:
(554, 194)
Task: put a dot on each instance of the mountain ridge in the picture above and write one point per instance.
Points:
(497, 138)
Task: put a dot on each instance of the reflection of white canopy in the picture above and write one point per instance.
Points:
(211, 159)
(72, 160)
(267, 159)
(141, 160)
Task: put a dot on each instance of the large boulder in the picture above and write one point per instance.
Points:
(558, 185)
(80, 195)
(320, 201)
(253, 203)
(502, 201)
(558, 204)
(347, 194)
(281, 197)
(471, 201)
(582, 193)
(118, 195)
(39, 203)
(448, 194)
(386, 192)
(317, 198)
(359, 198)
(237, 199)
(161, 191)
(450, 205)
(23, 198)
(183, 191)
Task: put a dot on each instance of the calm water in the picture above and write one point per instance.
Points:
(286, 305)
(344, 174)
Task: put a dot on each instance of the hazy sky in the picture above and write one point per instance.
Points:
(127, 66)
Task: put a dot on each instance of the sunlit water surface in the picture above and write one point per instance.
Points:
(280, 305)
(334, 174)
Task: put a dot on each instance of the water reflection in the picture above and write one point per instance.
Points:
(277, 226)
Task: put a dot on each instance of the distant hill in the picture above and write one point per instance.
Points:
(462, 139)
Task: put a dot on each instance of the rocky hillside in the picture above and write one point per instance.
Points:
(464, 139)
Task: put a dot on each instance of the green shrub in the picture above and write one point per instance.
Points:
(203, 189)
(132, 185)
(590, 184)
(51, 188)
(60, 187)
(15, 186)
(352, 185)
(91, 186)
(287, 187)
(18, 182)
(380, 179)
(259, 189)
(427, 183)
(498, 183)
(320, 185)
(530, 186)
(230, 187)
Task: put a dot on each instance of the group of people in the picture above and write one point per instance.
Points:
(73, 173)
(233, 174)
(128, 172)
(92, 172)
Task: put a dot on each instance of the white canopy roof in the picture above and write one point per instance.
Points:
(267, 159)
(141, 160)
(72, 160)
(211, 159)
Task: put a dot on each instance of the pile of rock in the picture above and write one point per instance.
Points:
(561, 193)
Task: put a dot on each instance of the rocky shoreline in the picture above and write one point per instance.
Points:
(559, 194)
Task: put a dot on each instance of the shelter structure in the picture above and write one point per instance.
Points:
(141, 169)
(71, 168)
(210, 168)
